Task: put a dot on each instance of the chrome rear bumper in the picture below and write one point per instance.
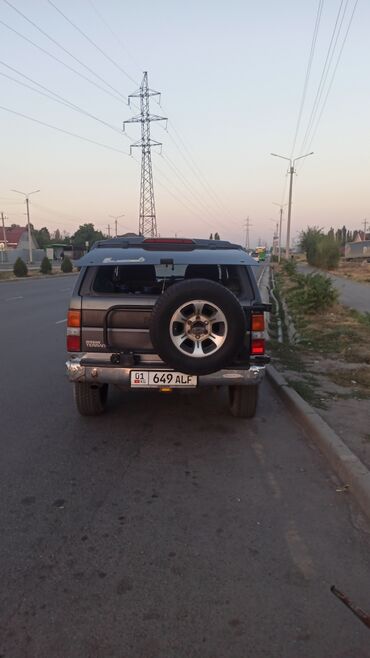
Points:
(100, 373)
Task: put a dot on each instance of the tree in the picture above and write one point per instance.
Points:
(217, 236)
(20, 268)
(42, 237)
(66, 265)
(308, 241)
(45, 267)
(57, 235)
(86, 233)
(211, 236)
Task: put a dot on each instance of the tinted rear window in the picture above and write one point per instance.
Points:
(154, 279)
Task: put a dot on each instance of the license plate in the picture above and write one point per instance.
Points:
(161, 378)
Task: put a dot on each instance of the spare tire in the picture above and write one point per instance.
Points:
(197, 326)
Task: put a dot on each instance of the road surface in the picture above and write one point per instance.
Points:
(166, 527)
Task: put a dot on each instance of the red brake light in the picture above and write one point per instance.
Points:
(257, 334)
(258, 346)
(73, 343)
(74, 330)
(168, 241)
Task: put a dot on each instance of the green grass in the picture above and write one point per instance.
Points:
(287, 354)
(364, 318)
(308, 392)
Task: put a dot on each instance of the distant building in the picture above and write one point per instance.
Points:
(16, 237)
(14, 244)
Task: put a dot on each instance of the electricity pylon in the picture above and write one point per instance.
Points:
(147, 215)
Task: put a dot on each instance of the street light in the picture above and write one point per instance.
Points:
(116, 217)
(27, 194)
(291, 172)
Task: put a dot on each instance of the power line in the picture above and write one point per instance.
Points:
(308, 71)
(61, 130)
(55, 97)
(333, 75)
(120, 68)
(92, 42)
(114, 34)
(45, 34)
(324, 73)
(180, 198)
(60, 61)
(194, 167)
(195, 194)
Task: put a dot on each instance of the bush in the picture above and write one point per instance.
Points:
(45, 267)
(20, 268)
(321, 250)
(290, 267)
(66, 265)
(313, 293)
(327, 253)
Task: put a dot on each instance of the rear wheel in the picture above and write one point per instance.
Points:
(243, 401)
(90, 400)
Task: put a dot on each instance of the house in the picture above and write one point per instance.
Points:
(14, 244)
(16, 237)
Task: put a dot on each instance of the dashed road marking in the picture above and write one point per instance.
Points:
(299, 552)
(10, 299)
(60, 321)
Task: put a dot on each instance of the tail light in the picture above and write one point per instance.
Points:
(74, 331)
(258, 334)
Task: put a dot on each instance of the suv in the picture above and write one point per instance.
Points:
(166, 313)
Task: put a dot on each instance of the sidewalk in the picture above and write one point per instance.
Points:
(351, 293)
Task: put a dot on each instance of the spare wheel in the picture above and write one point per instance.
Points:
(197, 326)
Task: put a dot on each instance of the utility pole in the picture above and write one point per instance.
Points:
(247, 226)
(291, 172)
(4, 231)
(281, 207)
(27, 195)
(116, 218)
(365, 223)
(147, 214)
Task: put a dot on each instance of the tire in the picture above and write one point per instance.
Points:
(243, 401)
(225, 318)
(90, 400)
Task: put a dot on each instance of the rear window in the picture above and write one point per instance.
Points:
(154, 279)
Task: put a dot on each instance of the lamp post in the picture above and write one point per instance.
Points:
(116, 218)
(292, 162)
(27, 195)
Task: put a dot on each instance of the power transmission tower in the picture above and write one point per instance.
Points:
(147, 215)
(365, 223)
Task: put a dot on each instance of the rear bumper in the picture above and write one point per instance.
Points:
(106, 374)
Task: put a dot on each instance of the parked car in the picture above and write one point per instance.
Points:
(155, 313)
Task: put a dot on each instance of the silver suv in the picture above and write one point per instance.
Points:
(166, 313)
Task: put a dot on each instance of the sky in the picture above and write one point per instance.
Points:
(232, 77)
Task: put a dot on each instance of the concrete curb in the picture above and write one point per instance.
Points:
(342, 460)
(57, 275)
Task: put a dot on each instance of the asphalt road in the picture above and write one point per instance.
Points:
(353, 294)
(165, 528)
